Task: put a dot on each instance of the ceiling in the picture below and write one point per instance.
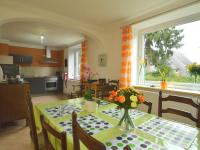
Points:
(30, 33)
(94, 12)
(104, 12)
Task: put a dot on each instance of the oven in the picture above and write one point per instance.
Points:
(51, 83)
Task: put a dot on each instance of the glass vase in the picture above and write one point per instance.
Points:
(125, 122)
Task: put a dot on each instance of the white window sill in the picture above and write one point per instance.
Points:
(172, 91)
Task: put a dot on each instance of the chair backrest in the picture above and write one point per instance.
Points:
(105, 90)
(149, 105)
(46, 128)
(126, 148)
(114, 84)
(183, 100)
(31, 122)
(102, 81)
(78, 90)
(79, 134)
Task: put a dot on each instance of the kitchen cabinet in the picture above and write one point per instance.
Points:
(13, 101)
(22, 59)
(60, 85)
(37, 84)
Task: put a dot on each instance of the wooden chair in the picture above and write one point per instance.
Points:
(183, 100)
(110, 86)
(79, 134)
(114, 84)
(126, 148)
(101, 86)
(31, 122)
(46, 128)
(77, 91)
(102, 81)
(149, 105)
(103, 91)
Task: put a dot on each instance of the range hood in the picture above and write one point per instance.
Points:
(47, 58)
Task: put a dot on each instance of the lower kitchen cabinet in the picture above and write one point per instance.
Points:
(60, 85)
(37, 85)
(13, 101)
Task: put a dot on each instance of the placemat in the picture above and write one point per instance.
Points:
(89, 123)
(61, 110)
(116, 113)
(134, 141)
(172, 132)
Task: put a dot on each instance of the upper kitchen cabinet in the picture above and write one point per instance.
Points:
(4, 59)
(28, 56)
(22, 59)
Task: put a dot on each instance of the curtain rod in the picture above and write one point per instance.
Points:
(161, 13)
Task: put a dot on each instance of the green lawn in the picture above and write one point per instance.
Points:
(171, 78)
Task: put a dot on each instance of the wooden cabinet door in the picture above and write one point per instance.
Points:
(13, 102)
(20, 59)
(27, 59)
(17, 59)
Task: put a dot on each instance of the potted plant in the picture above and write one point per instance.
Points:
(90, 104)
(194, 70)
(164, 71)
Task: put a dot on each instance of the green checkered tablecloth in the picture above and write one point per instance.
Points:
(150, 131)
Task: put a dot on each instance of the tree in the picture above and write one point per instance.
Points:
(159, 45)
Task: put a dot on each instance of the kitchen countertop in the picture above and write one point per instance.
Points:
(5, 82)
(40, 76)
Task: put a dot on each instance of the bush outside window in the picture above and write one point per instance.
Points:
(173, 54)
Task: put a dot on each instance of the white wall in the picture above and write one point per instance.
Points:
(112, 48)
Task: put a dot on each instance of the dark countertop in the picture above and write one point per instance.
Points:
(41, 77)
(38, 76)
(33, 77)
(6, 83)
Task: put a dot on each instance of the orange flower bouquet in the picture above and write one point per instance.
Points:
(126, 98)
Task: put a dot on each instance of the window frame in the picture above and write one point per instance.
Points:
(76, 75)
(141, 53)
(74, 50)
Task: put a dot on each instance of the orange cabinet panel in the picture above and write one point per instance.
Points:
(37, 55)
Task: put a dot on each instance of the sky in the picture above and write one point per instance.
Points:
(191, 41)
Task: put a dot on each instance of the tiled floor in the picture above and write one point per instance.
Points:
(15, 135)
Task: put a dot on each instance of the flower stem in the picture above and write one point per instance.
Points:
(127, 120)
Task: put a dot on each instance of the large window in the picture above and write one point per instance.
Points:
(172, 54)
(74, 55)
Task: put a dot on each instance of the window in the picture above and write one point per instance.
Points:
(74, 55)
(172, 54)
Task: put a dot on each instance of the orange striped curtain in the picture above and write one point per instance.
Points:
(84, 47)
(125, 80)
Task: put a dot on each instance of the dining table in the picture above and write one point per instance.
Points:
(150, 131)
